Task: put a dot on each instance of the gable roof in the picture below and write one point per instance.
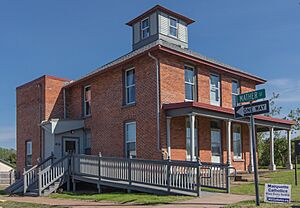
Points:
(176, 50)
(6, 163)
(163, 9)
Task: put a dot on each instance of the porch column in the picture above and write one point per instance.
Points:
(228, 133)
(192, 135)
(169, 137)
(272, 165)
(250, 167)
(289, 164)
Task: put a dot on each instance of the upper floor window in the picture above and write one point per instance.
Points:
(28, 148)
(130, 86)
(190, 83)
(173, 26)
(87, 101)
(237, 141)
(235, 92)
(215, 90)
(130, 139)
(145, 27)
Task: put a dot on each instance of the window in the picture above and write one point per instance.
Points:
(237, 141)
(215, 89)
(173, 26)
(130, 86)
(130, 139)
(87, 142)
(87, 101)
(28, 159)
(216, 145)
(188, 140)
(235, 92)
(145, 27)
(190, 80)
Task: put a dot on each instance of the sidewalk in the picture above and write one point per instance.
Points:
(207, 200)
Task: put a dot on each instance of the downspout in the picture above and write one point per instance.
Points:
(157, 100)
(65, 104)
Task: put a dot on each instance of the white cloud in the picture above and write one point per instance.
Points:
(289, 89)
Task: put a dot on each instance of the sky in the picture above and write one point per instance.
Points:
(70, 38)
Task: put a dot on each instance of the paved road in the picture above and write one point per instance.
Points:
(209, 200)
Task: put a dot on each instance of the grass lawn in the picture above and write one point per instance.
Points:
(283, 177)
(9, 204)
(135, 198)
(249, 204)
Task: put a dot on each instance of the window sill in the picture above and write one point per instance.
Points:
(128, 105)
(88, 116)
(238, 160)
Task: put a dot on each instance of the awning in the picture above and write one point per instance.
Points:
(58, 126)
(206, 110)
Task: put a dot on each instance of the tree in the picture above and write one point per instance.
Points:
(295, 116)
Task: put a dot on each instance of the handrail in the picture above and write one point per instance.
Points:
(55, 163)
(39, 165)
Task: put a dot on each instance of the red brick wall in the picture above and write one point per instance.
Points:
(37, 100)
(109, 114)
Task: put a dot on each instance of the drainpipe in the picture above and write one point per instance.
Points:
(65, 104)
(157, 99)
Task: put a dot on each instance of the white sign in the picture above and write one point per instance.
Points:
(277, 193)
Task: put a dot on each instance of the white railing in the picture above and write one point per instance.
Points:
(52, 173)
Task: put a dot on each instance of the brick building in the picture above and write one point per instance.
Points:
(148, 104)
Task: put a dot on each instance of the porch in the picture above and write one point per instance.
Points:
(218, 136)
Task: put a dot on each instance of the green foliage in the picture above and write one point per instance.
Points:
(8, 155)
(295, 116)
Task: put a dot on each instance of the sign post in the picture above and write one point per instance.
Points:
(251, 110)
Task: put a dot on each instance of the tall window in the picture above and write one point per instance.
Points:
(237, 141)
(235, 92)
(188, 139)
(28, 159)
(87, 101)
(130, 139)
(145, 27)
(173, 26)
(130, 86)
(215, 89)
(190, 80)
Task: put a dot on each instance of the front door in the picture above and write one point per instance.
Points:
(216, 145)
(70, 146)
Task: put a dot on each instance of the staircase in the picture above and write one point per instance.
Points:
(42, 179)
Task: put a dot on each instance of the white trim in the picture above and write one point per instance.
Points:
(127, 87)
(142, 29)
(193, 84)
(214, 102)
(241, 139)
(84, 101)
(171, 26)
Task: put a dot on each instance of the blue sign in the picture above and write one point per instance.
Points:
(277, 193)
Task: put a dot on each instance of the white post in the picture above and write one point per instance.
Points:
(228, 132)
(289, 164)
(250, 167)
(272, 165)
(169, 137)
(192, 135)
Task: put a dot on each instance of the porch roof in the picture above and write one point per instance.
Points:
(206, 110)
(59, 126)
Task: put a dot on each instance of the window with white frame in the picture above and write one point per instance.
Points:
(215, 90)
(188, 139)
(130, 139)
(190, 83)
(145, 28)
(87, 101)
(173, 26)
(130, 86)
(28, 148)
(235, 92)
(237, 141)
